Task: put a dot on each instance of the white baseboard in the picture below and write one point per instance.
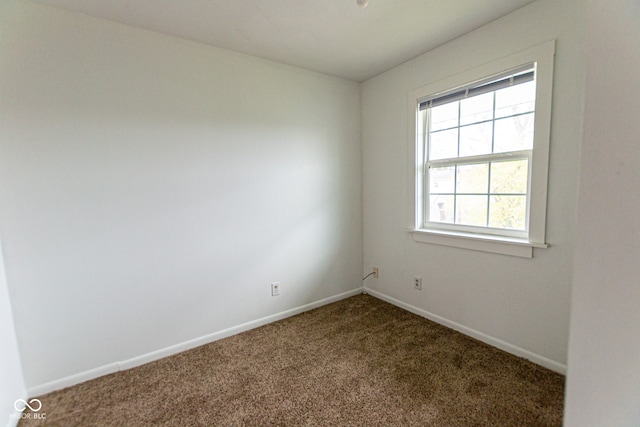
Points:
(188, 345)
(495, 342)
(178, 348)
(14, 418)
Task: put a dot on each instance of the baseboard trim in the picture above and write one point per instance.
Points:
(495, 342)
(14, 418)
(184, 346)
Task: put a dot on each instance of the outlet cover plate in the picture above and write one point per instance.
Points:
(275, 289)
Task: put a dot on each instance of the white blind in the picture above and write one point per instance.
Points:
(522, 75)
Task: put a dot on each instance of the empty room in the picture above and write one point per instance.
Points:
(337, 212)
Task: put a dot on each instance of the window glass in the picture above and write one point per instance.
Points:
(508, 212)
(443, 144)
(509, 177)
(444, 116)
(516, 99)
(471, 210)
(473, 178)
(441, 208)
(514, 133)
(442, 180)
(476, 139)
(476, 109)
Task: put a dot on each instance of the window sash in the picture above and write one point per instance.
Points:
(482, 159)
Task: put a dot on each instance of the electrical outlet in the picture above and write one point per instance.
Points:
(375, 272)
(417, 283)
(275, 289)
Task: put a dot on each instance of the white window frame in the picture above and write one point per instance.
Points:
(507, 243)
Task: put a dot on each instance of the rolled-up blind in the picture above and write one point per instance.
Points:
(522, 75)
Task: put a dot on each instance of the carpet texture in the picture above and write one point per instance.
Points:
(357, 362)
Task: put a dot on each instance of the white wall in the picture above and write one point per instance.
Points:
(11, 381)
(603, 382)
(151, 189)
(520, 304)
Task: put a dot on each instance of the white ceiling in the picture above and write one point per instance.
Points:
(330, 36)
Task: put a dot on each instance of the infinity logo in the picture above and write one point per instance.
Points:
(37, 405)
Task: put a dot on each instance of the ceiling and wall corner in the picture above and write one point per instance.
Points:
(334, 37)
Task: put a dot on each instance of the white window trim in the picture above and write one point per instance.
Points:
(543, 56)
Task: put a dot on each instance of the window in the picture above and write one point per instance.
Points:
(481, 155)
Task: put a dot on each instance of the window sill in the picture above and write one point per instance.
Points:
(494, 244)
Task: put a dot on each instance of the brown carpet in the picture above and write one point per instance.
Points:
(357, 362)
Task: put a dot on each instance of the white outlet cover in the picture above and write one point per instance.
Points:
(275, 289)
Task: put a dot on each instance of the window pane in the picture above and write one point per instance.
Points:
(442, 180)
(444, 116)
(475, 139)
(443, 144)
(471, 210)
(473, 178)
(509, 177)
(441, 208)
(476, 109)
(514, 133)
(516, 99)
(508, 212)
